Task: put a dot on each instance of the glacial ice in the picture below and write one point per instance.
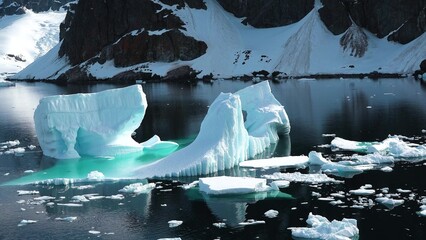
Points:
(138, 188)
(225, 139)
(389, 202)
(322, 228)
(303, 178)
(96, 124)
(174, 223)
(232, 185)
(271, 213)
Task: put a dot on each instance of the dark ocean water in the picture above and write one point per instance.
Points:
(357, 109)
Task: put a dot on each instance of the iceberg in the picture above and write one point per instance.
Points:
(96, 124)
(322, 228)
(237, 127)
(232, 185)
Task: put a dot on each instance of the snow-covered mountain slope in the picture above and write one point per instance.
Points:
(234, 49)
(24, 38)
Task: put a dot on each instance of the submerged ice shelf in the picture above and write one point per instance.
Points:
(237, 126)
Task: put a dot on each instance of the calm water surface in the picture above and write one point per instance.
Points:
(354, 109)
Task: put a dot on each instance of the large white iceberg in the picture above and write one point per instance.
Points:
(226, 136)
(96, 124)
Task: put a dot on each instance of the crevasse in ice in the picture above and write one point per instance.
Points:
(226, 137)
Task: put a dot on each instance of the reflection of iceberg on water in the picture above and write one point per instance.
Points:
(237, 126)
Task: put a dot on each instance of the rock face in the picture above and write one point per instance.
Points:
(11, 7)
(400, 20)
(127, 32)
(268, 13)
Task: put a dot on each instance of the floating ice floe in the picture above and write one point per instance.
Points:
(322, 228)
(17, 151)
(271, 213)
(174, 223)
(225, 139)
(25, 192)
(66, 219)
(389, 202)
(232, 185)
(95, 124)
(70, 204)
(279, 184)
(392, 146)
(363, 191)
(291, 161)
(138, 188)
(316, 158)
(304, 178)
(26, 222)
(219, 224)
(251, 222)
(4, 83)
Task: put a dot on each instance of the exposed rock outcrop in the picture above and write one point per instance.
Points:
(127, 32)
(354, 41)
(268, 13)
(401, 20)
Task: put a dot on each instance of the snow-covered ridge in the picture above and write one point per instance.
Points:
(235, 49)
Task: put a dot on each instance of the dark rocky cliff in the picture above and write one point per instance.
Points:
(400, 20)
(11, 7)
(125, 31)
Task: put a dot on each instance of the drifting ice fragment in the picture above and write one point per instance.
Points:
(138, 188)
(174, 223)
(304, 178)
(322, 228)
(25, 192)
(25, 222)
(389, 202)
(66, 219)
(279, 184)
(251, 222)
(276, 162)
(95, 176)
(225, 139)
(271, 213)
(362, 192)
(232, 185)
(96, 124)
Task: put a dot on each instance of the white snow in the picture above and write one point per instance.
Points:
(232, 185)
(322, 228)
(97, 124)
(304, 178)
(271, 213)
(225, 139)
(174, 223)
(276, 162)
(24, 38)
(138, 188)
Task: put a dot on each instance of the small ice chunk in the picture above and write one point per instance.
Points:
(403, 190)
(271, 213)
(177, 238)
(338, 195)
(219, 224)
(49, 204)
(70, 204)
(25, 192)
(251, 222)
(289, 161)
(315, 194)
(95, 176)
(96, 197)
(6, 174)
(322, 228)
(190, 185)
(44, 198)
(389, 202)
(94, 232)
(116, 197)
(386, 169)
(338, 202)
(138, 188)
(327, 199)
(83, 187)
(329, 135)
(422, 213)
(31, 147)
(66, 219)
(26, 222)
(28, 171)
(80, 198)
(232, 185)
(10, 143)
(279, 184)
(174, 223)
(363, 192)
